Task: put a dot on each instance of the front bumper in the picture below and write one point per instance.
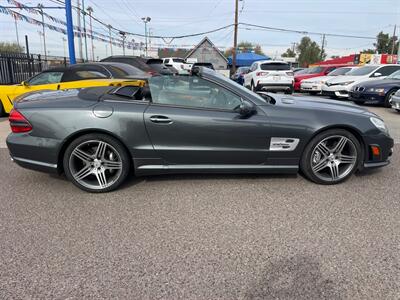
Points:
(396, 102)
(385, 143)
(339, 91)
(36, 153)
(311, 87)
(365, 97)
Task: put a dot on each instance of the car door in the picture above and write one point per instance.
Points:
(192, 121)
(247, 76)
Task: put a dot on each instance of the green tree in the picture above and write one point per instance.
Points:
(384, 43)
(368, 51)
(289, 53)
(245, 47)
(309, 52)
(11, 47)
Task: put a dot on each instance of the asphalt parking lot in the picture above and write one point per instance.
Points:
(201, 237)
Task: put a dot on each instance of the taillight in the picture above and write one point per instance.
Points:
(290, 73)
(262, 73)
(18, 122)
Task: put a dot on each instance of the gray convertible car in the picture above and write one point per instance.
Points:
(190, 124)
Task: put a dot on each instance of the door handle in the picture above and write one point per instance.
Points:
(160, 119)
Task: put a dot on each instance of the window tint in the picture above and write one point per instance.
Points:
(83, 73)
(275, 67)
(339, 71)
(46, 78)
(387, 70)
(395, 75)
(166, 61)
(361, 71)
(315, 70)
(191, 92)
(124, 70)
(178, 60)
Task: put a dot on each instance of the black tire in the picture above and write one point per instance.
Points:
(2, 111)
(359, 102)
(114, 145)
(388, 97)
(313, 93)
(289, 92)
(253, 87)
(305, 162)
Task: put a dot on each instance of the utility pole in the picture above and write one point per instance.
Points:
(84, 29)
(123, 36)
(393, 39)
(16, 30)
(70, 31)
(90, 10)
(146, 20)
(323, 46)
(109, 32)
(65, 51)
(78, 4)
(40, 6)
(235, 36)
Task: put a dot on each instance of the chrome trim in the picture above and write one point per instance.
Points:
(35, 162)
(283, 144)
(376, 164)
(215, 167)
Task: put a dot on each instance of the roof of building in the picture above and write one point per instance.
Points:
(206, 39)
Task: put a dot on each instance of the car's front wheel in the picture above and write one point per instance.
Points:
(96, 163)
(331, 157)
(388, 98)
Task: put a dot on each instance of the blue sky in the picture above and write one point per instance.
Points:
(177, 17)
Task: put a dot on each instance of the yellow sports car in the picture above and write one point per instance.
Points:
(74, 76)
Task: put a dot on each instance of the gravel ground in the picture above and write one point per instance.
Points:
(201, 237)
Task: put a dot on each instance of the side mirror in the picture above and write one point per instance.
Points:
(377, 74)
(24, 83)
(246, 109)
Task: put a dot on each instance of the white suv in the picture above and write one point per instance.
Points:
(269, 75)
(179, 64)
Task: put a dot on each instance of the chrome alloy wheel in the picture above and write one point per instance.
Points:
(95, 164)
(333, 158)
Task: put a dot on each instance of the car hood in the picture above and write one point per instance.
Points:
(305, 76)
(345, 78)
(319, 104)
(381, 83)
(318, 79)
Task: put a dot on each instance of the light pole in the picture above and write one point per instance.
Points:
(133, 47)
(146, 20)
(65, 51)
(84, 29)
(90, 10)
(109, 32)
(16, 30)
(123, 36)
(40, 7)
(78, 4)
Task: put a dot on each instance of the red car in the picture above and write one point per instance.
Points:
(312, 72)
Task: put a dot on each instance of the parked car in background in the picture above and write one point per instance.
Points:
(154, 67)
(269, 75)
(310, 73)
(340, 87)
(239, 74)
(73, 76)
(296, 70)
(314, 85)
(376, 91)
(169, 126)
(396, 101)
(179, 64)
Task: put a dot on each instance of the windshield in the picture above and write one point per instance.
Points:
(314, 70)
(339, 71)
(275, 67)
(395, 75)
(362, 71)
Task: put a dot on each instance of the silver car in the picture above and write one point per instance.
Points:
(395, 101)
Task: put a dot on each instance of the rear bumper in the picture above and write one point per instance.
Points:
(274, 87)
(36, 153)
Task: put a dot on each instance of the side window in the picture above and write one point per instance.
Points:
(166, 61)
(85, 73)
(46, 78)
(387, 70)
(191, 91)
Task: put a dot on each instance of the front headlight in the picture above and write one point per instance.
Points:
(346, 83)
(376, 90)
(379, 124)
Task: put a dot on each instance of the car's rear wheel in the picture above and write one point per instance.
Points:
(252, 87)
(388, 98)
(331, 157)
(96, 163)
